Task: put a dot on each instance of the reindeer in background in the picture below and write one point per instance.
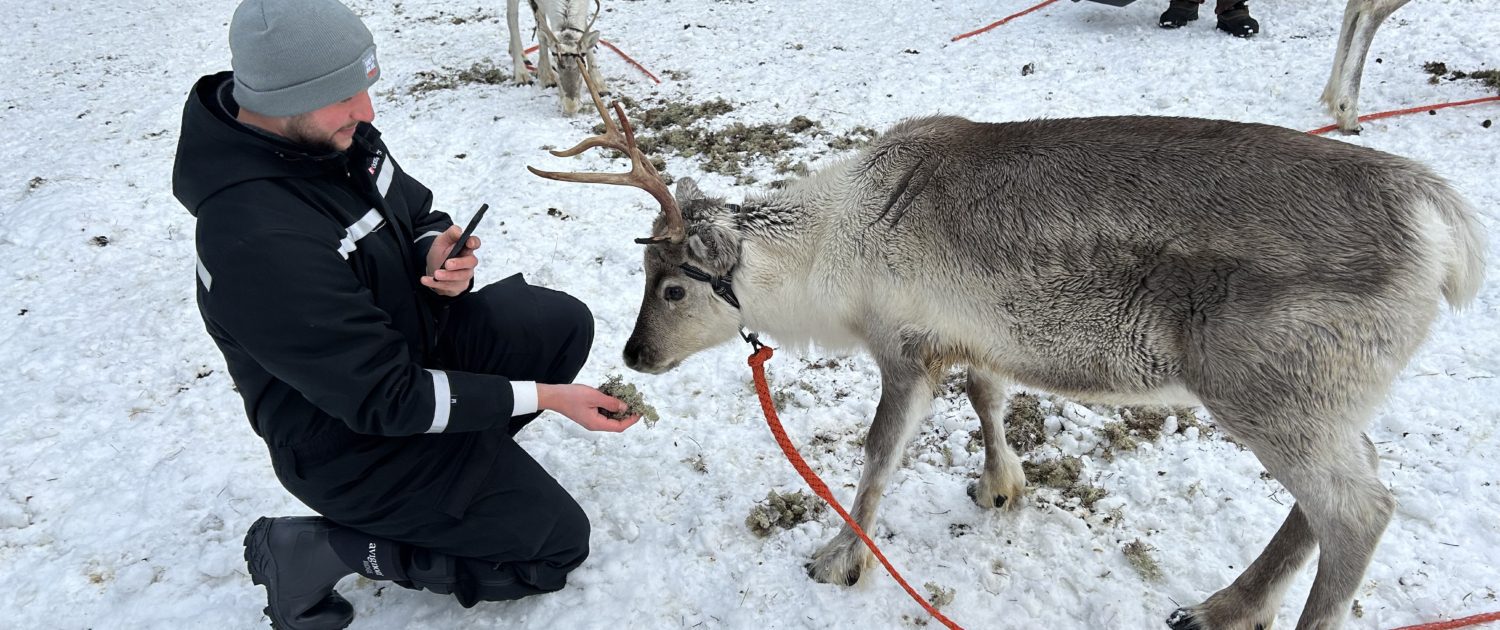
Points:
(1361, 19)
(572, 39)
(1280, 280)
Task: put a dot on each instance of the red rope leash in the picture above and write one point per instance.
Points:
(987, 28)
(1410, 110)
(619, 52)
(757, 365)
(1455, 623)
(630, 61)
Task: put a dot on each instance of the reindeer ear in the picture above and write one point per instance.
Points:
(589, 40)
(714, 246)
(687, 190)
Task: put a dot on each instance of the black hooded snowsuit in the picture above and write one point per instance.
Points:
(308, 268)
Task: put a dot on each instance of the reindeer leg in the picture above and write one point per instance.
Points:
(595, 75)
(1361, 19)
(1251, 601)
(1261, 587)
(517, 45)
(1348, 510)
(546, 70)
(1003, 482)
(905, 399)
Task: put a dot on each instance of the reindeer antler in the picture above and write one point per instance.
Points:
(641, 175)
(597, 8)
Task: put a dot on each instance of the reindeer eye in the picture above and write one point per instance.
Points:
(673, 294)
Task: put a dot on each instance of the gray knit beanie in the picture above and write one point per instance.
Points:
(294, 56)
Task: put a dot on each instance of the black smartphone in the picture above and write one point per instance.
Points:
(468, 231)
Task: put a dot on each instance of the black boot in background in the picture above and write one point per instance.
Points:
(294, 558)
(1237, 21)
(1179, 14)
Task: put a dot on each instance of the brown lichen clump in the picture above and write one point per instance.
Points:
(481, 73)
(1025, 424)
(1139, 555)
(783, 510)
(1054, 473)
(628, 394)
(1087, 494)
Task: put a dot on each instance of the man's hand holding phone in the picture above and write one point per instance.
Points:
(451, 260)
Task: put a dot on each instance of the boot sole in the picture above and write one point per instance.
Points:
(262, 568)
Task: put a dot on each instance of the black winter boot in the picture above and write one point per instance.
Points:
(1179, 13)
(292, 557)
(1237, 21)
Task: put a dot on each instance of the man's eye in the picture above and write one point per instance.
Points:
(672, 294)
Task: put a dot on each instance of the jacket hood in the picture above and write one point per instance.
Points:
(215, 151)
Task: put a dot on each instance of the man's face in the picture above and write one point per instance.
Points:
(331, 128)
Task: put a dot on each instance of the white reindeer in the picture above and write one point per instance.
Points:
(1361, 19)
(1280, 280)
(564, 34)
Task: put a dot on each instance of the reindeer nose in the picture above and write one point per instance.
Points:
(632, 355)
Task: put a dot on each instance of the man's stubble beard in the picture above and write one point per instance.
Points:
(300, 132)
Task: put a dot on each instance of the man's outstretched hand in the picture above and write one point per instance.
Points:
(454, 276)
(581, 404)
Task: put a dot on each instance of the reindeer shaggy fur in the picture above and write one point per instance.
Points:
(1278, 279)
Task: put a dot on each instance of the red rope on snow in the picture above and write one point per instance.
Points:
(758, 367)
(1410, 110)
(1455, 623)
(629, 60)
(619, 52)
(1007, 19)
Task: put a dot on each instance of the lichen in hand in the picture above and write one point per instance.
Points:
(634, 403)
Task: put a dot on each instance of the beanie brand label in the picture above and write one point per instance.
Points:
(370, 66)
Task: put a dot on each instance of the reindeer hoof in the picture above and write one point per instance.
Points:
(1183, 619)
(849, 578)
(999, 499)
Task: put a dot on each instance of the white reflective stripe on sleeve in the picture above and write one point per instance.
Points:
(383, 180)
(441, 401)
(203, 275)
(427, 235)
(361, 228)
(525, 396)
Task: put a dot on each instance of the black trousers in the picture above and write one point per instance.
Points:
(517, 532)
(1221, 6)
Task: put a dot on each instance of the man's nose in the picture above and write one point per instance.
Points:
(364, 110)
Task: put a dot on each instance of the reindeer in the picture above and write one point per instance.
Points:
(1278, 279)
(575, 42)
(1341, 95)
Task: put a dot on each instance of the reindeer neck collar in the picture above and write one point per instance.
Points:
(721, 284)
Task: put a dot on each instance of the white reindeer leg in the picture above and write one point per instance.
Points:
(517, 45)
(1361, 19)
(546, 71)
(595, 75)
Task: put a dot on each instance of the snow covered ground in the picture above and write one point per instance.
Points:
(130, 472)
